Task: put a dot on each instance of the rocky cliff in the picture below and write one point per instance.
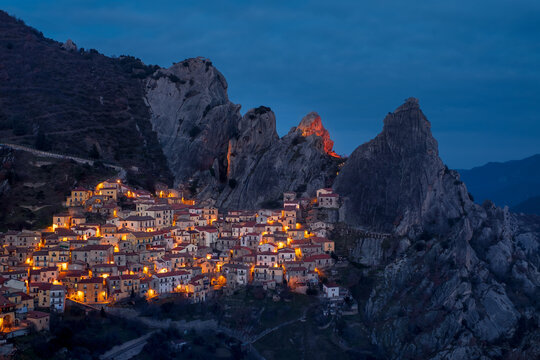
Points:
(192, 116)
(262, 166)
(233, 161)
(456, 280)
(397, 182)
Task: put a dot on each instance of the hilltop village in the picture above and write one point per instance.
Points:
(115, 242)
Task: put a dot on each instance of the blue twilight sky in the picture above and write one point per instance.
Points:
(474, 65)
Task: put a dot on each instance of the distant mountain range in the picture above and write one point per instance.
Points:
(515, 184)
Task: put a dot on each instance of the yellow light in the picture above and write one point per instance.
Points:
(64, 266)
(164, 270)
(105, 276)
(28, 260)
(116, 249)
(208, 256)
(56, 282)
(145, 269)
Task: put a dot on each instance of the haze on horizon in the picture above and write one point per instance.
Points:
(474, 66)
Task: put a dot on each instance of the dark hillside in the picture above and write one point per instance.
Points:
(32, 188)
(75, 101)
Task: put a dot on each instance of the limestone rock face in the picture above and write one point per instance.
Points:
(235, 161)
(312, 124)
(69, 45)
(397, 182)
(469, 280)
(192, 115)
(261, 166)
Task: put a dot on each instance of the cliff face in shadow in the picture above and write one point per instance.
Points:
(397, 180)
(454, 280)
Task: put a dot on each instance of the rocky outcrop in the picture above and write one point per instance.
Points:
(192, 116)
(468, 284)
(235, 161)
(397, 182)
(312, 124)
(69, 45)
(261, 166)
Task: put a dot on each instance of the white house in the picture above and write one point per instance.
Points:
(331, 290)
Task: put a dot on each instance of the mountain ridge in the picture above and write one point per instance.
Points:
(505, 183)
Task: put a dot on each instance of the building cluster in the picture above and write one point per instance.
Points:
(115, 242)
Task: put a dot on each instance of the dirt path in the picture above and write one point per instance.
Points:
(121, 171)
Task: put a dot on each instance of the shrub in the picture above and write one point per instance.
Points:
(41, 142)
(386, 244)
(195, 130)
(174, 78)
(298, 140)
(312, 291)
(420, 246)
(271, 204)
(300, 189)
(207, 109)
(262, 110)
(19, 126)
(94, 153)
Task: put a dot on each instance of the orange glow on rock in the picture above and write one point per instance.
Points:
(311, 124)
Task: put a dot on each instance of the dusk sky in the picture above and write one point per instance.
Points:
(474, 65)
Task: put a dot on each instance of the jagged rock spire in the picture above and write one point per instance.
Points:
(311, 124)
(397, 181)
